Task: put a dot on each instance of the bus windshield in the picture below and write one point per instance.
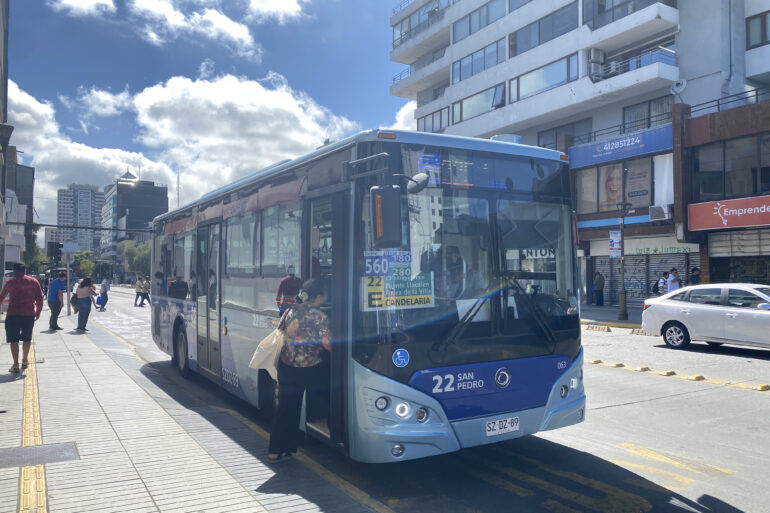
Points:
(486, 269)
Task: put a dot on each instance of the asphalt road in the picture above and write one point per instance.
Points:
(649, 443)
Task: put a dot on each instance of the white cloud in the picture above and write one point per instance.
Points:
(278, 9)
(405, 118)
(160, 21)
(213, 131)
(206, 69)
(83, 7)
(101, 103)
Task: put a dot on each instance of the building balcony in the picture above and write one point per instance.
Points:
(420, 77)
(606, 70)
(432, 34)
(571, 99)
(641, 20)
(758, 64)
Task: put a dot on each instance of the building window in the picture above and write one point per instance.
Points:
(602, 189)
(732, 169)
(515, 4)
(478, 19)
(598, 13)
(434, 122)
(480, 103)
(647, 114)
(418, 21)
(758, 30)
(579, 130)
(543, 30)
(470, 65)
(545, 78)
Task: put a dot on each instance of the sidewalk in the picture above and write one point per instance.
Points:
(104, 431)
(608, 316)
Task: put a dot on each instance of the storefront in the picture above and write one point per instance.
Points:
(630, 176)
(738, 233)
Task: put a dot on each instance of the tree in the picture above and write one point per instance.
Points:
(34, 259)
(127, 253)
(141, 261)
(84, 263)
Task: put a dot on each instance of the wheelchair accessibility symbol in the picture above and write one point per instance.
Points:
(401, 358)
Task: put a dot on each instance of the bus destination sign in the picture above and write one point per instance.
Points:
(388, 282)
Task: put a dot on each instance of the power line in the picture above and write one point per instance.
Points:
(70, 227)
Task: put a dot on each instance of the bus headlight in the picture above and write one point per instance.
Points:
(381, 403)
(402, 410)
(421, 415)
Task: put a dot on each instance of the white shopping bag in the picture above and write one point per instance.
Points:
(267, 354)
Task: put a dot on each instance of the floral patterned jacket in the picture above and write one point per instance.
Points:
(306, 332)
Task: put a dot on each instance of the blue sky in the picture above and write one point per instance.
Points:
(212, 89)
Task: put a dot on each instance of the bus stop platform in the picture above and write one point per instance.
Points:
(91, 427)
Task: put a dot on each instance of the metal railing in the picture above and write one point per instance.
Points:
(420, 63)
(402, 6)
(623, 128)
(614, 68)
(730, 102)
(432, 19)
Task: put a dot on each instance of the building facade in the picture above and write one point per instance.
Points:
(130, 205)
(80, 205)
(595, 79)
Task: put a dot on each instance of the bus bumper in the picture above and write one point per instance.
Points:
(381, 436)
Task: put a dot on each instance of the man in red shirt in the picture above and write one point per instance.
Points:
(25, 305)
(288, 288)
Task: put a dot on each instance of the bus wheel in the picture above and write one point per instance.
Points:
(182, 362)
(675, 335)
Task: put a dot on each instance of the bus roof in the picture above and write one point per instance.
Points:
(398, 136)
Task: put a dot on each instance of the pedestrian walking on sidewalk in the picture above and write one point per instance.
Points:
(103, 290)
(24, 307)
(145, 290)
(138, 288)
(599, 288)
(85, 297)
(56, 299)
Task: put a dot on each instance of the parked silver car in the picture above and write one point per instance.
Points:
(716, 313)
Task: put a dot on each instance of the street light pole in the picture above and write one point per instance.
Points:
(622, 309)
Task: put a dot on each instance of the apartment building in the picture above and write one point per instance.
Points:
(599, 80)
(80, 205)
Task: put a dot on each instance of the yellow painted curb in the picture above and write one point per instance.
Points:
(611, 324)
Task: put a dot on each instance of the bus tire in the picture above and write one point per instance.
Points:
(675, 335)
(180, 352)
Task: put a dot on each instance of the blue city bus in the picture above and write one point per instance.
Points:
(453, 302)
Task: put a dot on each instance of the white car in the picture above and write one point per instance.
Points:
(716, 313)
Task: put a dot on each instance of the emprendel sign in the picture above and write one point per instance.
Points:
(737, 213)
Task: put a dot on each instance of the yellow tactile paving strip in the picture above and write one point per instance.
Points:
(32, 492)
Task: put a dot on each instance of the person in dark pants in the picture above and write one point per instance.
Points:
(599, 288)
(56, 300)
(85, 294)
(103, 293)
(24, 307)
(301, 366)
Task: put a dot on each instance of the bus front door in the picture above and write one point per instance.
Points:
(326, 260)
(207, 253)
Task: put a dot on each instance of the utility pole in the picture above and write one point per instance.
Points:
(622, 308)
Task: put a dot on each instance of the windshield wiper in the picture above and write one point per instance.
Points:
(461, 326)
(537, 312)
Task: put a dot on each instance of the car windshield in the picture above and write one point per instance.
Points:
(764, 291)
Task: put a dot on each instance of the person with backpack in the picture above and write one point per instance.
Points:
(660, 286)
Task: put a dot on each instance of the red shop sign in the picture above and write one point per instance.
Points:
(730, 213)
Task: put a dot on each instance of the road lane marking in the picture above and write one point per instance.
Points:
(614, 498)
(682, 481)
(359, 495)
(698, 468)
(32, 487)
(123, 341)
(494, 480)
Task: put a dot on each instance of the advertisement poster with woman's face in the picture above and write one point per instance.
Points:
(610, 187)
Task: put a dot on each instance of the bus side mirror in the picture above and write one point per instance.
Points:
(385, 216)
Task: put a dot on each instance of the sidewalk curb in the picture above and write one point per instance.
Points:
(628, 325)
